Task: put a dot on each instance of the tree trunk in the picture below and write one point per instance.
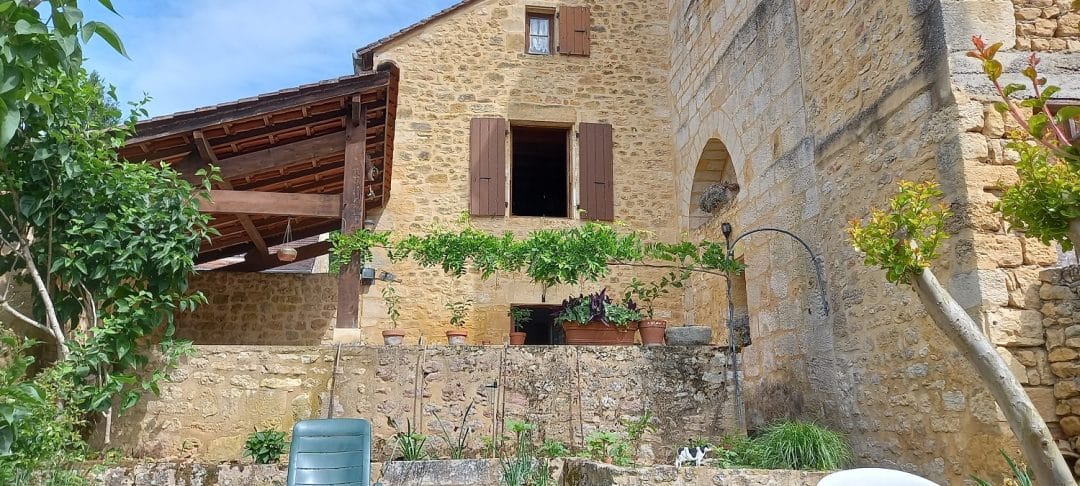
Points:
(1037, 444)
(50, 311)
(1074, 236)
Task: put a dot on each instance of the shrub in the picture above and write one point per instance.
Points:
(39, 440)
(524, 467)
(607, 447)
(410, 442)
(266, 446)
(800, 445)
(456, 445)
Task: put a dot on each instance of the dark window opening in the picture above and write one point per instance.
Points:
(539, 27)
(539, 181)
(541, 328)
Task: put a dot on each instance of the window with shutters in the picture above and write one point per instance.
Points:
(540, 27)
(539, 172)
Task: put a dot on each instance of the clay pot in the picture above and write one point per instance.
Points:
(393, 337)
(456, 337)
(517, 338)
(597, 332)
(652, 332)
(286, 254)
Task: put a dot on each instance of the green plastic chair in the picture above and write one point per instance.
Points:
(330, 451)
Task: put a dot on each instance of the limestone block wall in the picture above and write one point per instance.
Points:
(1046, 25)
(824, 107)
(217, 397)
(1060, 293)
(473, 64)
(261, 308)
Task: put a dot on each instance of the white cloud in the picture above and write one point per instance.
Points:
(192, 53)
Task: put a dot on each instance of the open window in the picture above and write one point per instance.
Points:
(539, 172)
(541, 328)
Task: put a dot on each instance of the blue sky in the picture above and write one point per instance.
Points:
(192, 53)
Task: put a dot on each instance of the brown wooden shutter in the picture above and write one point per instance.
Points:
(574, 25)
(487, 167)
(597, 172)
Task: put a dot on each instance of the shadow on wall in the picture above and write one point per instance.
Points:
(261, 309)
(774, 400)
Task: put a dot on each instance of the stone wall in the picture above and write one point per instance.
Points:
(1046, 25)
(1060, 293)
(823, 107)
(219, 396)
(262, 309)
(473, 64)
(571, 472)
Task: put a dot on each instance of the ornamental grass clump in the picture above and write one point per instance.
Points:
(801, 445)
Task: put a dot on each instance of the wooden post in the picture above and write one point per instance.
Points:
(352, 213)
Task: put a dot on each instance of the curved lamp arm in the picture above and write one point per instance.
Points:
(819, 273)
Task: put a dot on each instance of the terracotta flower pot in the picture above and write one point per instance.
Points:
(517, 338)
(393, 337)
(652, 332)
(597, 332)
(456, 337)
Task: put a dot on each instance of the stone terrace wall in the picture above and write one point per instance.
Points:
(1060, 294)
(262, 308)
(218, 396)
(1046, 25)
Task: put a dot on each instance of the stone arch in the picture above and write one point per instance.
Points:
(714, 167)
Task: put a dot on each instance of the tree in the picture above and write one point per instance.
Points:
(107, 246)
(904, 241)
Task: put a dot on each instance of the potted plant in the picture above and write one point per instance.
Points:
(458, 309)
(519, 316)
(652, 330)
(392, 336)
(595, 319)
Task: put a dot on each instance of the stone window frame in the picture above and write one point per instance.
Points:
(545, 13)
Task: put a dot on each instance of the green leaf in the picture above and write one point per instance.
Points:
(1013, 88)
(11, 81)
(23, 27)
(1037, 124)
(130, 399)
(106, 33)
(1066, 113)
(108, 4)
(8, 125)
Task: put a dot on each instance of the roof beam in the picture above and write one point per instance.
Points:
(272, 203)
(244, 247)
(206, 153)
(266, 159)
(258, 263)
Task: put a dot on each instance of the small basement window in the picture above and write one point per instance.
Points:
(540, 28)
(539, 175)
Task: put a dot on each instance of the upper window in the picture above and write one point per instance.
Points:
(540, 27)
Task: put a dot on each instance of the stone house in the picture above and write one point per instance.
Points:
(533, 114)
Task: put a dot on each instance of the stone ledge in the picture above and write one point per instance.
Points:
(466, 472)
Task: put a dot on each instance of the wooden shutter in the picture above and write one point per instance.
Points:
(574, 25)
(597, 172)
(487, 167)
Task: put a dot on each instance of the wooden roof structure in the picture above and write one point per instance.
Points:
(292, 158)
